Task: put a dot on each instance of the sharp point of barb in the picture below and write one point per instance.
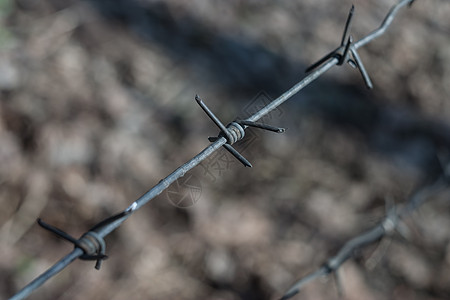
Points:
(411, 3)
(348, 25)
(239, 156)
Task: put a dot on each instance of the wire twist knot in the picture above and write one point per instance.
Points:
(346, 52)
(235, 133)
(92, 244)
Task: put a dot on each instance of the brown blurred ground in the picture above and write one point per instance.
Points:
(97, 106)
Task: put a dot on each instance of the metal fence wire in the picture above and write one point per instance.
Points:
(91, 245)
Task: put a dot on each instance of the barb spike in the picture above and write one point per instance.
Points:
(261, 126)
(213, 117)
(92, 244)
(348, 24)
(361, 68)
(239, 156)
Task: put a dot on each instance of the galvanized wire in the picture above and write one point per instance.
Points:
(87, 247)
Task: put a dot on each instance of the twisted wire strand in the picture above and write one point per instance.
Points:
(105, 227)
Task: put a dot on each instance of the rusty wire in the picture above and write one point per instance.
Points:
(91, 245)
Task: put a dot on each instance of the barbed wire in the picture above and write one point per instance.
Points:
(91, 245)
(386, 227)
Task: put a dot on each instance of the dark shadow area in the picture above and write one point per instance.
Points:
(237, 64)
(402, 135)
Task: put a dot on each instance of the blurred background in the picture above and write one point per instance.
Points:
(97, 105)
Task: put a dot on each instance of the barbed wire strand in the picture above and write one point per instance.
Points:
(383, 228)
(91, 245)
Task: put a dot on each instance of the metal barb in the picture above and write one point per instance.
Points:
(261, 126)
(91, 243)
(345, 45)
(239, 156)
(57, 231)
(348, 24)
(361, 68)
(233, 132)
(213, 117)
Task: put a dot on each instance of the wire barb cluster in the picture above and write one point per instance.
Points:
(386, 227)
(343, 52)
(91, 245)
(91, 242)
(234, 132)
